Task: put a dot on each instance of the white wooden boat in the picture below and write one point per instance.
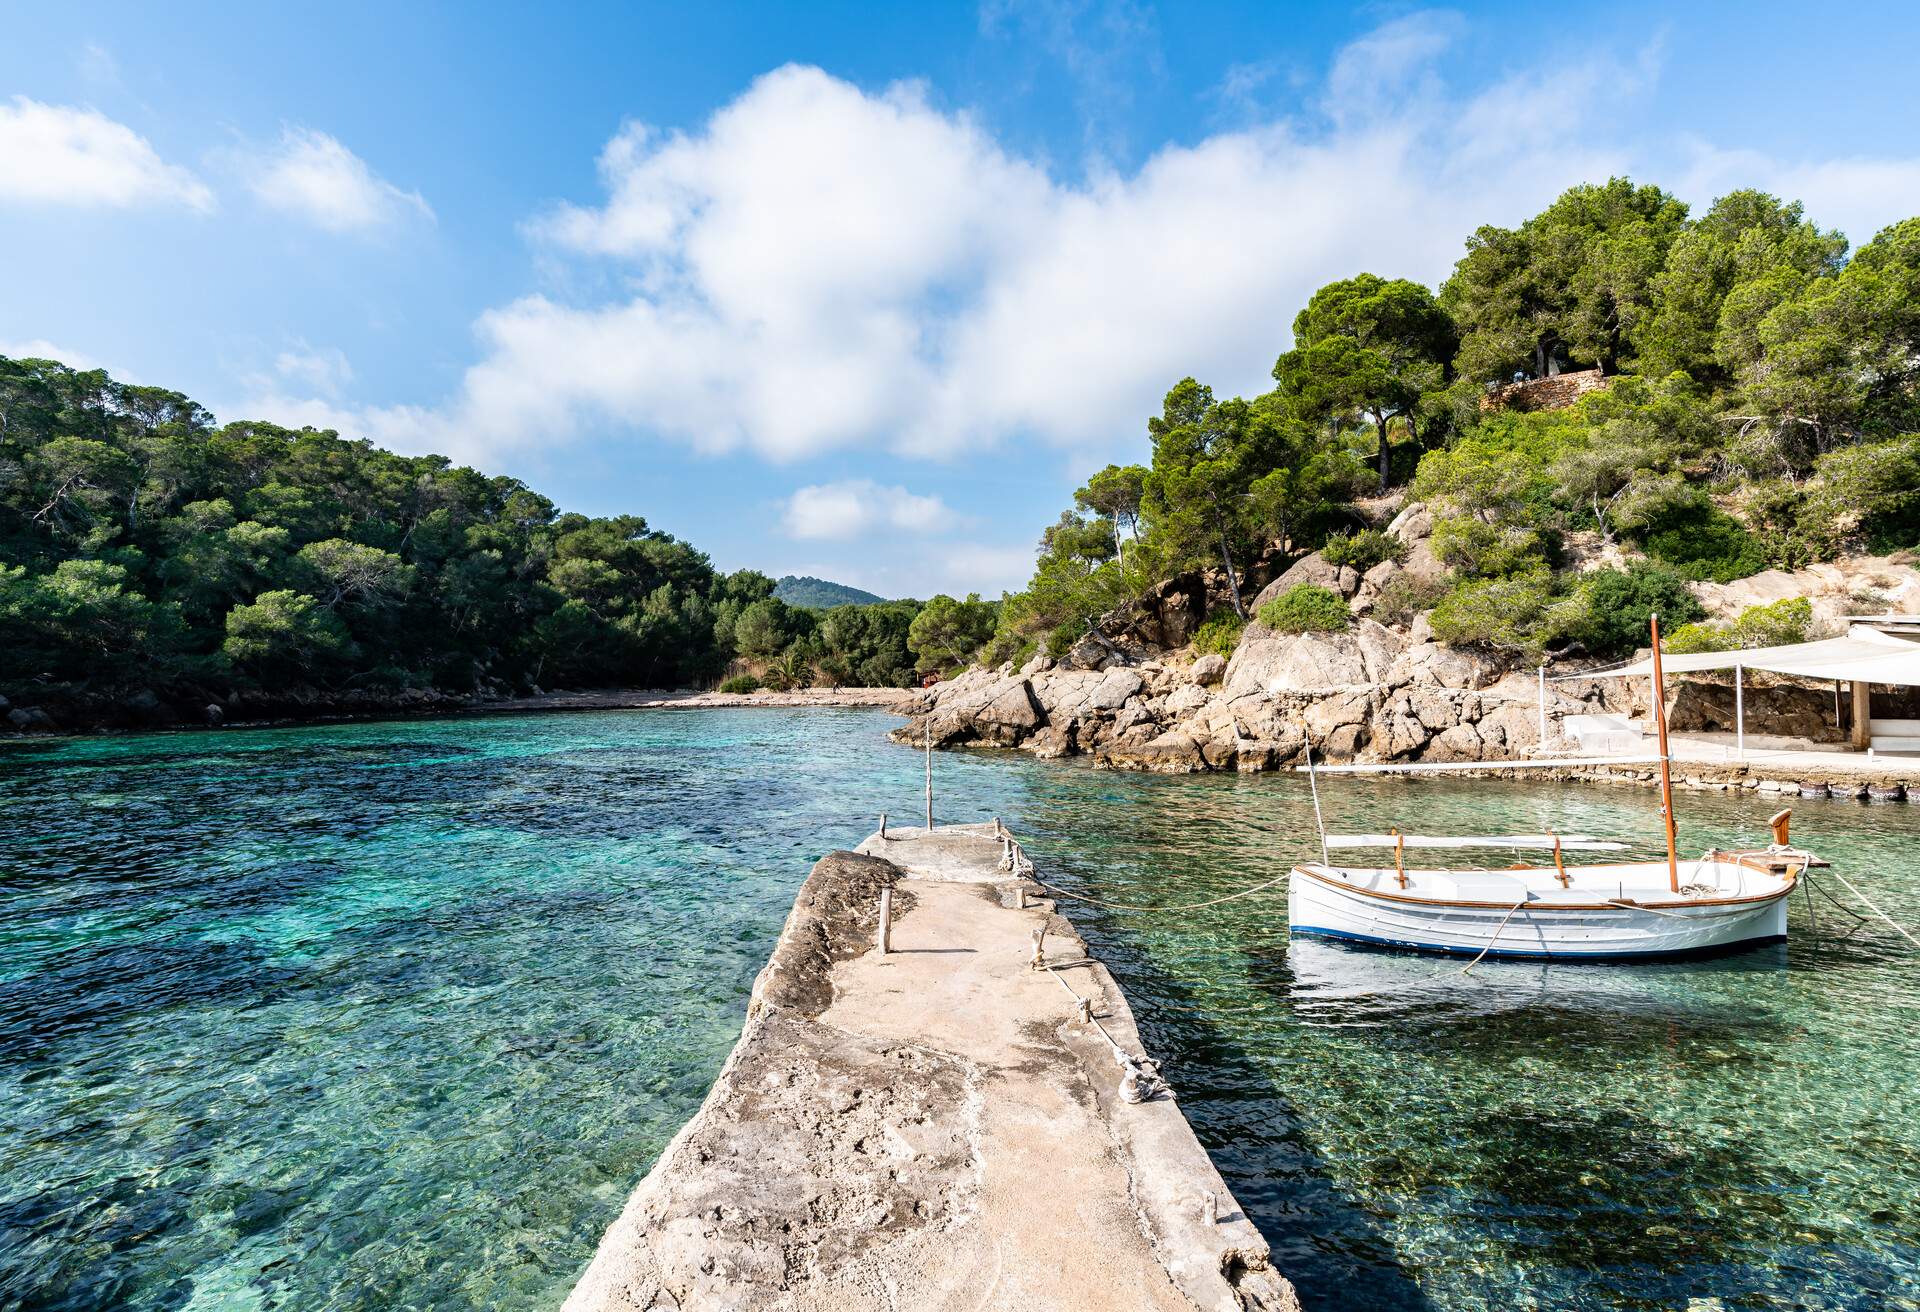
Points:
(1632, 910)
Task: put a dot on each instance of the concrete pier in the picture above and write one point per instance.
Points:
(930, 1128)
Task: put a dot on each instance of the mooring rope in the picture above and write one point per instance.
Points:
(1897, 927)
(1495, 939)
(1808, 882)
(1016, 861)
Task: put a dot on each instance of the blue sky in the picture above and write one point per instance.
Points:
(857, 291)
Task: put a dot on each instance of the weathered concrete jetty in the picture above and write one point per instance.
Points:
(935, 1126)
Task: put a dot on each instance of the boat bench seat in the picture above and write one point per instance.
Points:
(1473, 886)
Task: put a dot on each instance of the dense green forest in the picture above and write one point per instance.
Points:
(820, 594)
(145, 551)
(1762, 409)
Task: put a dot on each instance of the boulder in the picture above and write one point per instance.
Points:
(1009, 712)
(1460, 743)
(1432, 707)
(1340, 711)
(1315, 569)
(1422, 564)
(213, 713)
(1063, 693)
(1345, 742)
(1209, 669)
(1414, 523)
(1511, 726)
(1372, 583)
(31, 719)
(1172, 752)
(1186, 700)
(1052, 742)
(1114, 689)
(1447, 667)
(1379, 647)
(1037, 663)
(1305, 662)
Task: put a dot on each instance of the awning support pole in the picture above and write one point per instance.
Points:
(1862, 715)
(1739, 713)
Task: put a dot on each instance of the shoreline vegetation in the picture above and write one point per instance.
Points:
(1601, 413)
(282, 715)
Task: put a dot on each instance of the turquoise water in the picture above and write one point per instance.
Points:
(394, 1015)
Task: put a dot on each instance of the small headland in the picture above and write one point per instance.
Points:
(932, 1127)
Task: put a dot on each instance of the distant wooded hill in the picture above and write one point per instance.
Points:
(819, 594)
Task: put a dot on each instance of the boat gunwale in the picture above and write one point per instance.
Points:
(1788, 882)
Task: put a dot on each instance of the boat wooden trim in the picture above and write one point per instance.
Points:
(1790, 877)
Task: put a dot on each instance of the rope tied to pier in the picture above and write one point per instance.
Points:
(1016, 861)
(1897, 927)
(1140, 1077)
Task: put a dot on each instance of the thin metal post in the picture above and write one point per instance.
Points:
(1543, 707)
(883, 826)
(1739, 712)
(1320, 824)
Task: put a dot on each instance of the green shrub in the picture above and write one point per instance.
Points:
(1690, 639)
(1523, 612)
(1306, 608)
(1405, 596)
(1219, 635)
(741, 683)
(1706, 544)
(1618, 604)
(1484, 550)
(1776, 624)
(1363, 550)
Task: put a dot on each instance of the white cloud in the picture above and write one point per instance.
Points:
(320, 369)
(1857, 195)
(311, 175)
(820, 267)
(39, 348)
(857, 507)
(58, 155)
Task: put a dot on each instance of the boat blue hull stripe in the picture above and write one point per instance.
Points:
(1522, 954)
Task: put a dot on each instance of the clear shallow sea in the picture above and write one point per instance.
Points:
(394, 1015)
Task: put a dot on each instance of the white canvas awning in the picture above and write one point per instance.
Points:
(1863, 656)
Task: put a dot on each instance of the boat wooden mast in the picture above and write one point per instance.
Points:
(1666, 761)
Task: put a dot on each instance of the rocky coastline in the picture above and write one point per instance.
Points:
(1132, 695)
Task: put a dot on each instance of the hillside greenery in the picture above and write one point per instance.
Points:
(820, 594)
(1762, 409)
(145, 549)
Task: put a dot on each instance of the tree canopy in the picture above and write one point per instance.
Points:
(1761, 408)
(142, 547)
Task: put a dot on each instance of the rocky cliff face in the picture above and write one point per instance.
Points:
(1367, 691)
(1121, 698)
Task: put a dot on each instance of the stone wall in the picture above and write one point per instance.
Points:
(1554, 393)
